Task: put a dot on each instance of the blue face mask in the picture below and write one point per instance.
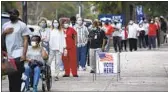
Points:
(43, 25)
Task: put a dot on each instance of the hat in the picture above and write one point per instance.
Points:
(161, 17)
(14, 11)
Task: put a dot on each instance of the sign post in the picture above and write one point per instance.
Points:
(107, 64)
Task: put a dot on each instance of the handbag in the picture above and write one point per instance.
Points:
(8, 66)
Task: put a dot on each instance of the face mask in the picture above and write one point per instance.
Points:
(33, 43)
(13, 18)
(152, 22)
(55, 25)
(66, 26)
(43, 25)
(79, 22)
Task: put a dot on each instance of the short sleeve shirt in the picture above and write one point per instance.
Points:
(14, 41)
(96, 37)
(70, 40)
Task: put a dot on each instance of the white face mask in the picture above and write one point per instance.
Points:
(79, 22)
(152, 22)
(33, 43)
(66, 25)
(55, 25)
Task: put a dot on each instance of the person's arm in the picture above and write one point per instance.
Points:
(7, 31)
(74, 35)
(104, 41)
(25, 46)
(25, 33)
(87, 33)
(44, 54)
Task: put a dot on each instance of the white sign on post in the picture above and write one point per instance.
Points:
(106, 63)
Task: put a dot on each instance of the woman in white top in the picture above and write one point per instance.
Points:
(141, 36)
(57, 44)
(44, 33)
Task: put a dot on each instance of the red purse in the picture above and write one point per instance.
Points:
(8, 66)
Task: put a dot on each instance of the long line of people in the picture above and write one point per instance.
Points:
(73, 44)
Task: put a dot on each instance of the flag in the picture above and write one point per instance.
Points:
(105, 57)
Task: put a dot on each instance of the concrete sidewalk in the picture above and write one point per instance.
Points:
(140, 71)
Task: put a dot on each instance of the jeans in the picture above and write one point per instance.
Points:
(92, 57)
(124, 43)
(152, 41)
(107, 47)
(117, 43)
(146, 40)
(81, 55)
(36, 76)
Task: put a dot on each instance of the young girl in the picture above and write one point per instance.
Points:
(57, 46)
(35, 56)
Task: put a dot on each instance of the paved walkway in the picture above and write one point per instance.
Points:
(140, 71)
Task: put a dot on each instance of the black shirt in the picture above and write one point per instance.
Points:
(96, 36)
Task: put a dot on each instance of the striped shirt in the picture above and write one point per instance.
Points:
(82, 35)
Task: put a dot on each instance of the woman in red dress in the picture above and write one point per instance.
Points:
(70, 56)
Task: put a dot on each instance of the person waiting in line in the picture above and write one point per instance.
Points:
(103, 40)
(116, 36)
(96, 36)
(132, 35)
(146, 27)
(72, 21)
(152, 34)
(158, 31)
(141, 36)
(57, 45)
(124, 36)
(82, 39)
(69, 55)
(163, 27)
(109, 30)
(35, 56)
(44, 33)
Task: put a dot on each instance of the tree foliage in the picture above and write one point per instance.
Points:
(7, 5)
(154, 8)
(113, 7)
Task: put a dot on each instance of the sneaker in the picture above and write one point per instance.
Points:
(84, 68)
(65, 76)
(61, 69)
(92, 71)
(80, 68)
(56, 78)
(75, 76)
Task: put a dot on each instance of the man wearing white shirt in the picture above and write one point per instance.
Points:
(16, 43)
(116, 36)
(132, 35)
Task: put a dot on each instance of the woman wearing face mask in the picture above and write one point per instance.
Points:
(57, 46)
(35, 56)
(82, 39)
(152, 34)
(141, 36)
(132, 35)
(69, 55)
(44, 33)
(124, 35)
